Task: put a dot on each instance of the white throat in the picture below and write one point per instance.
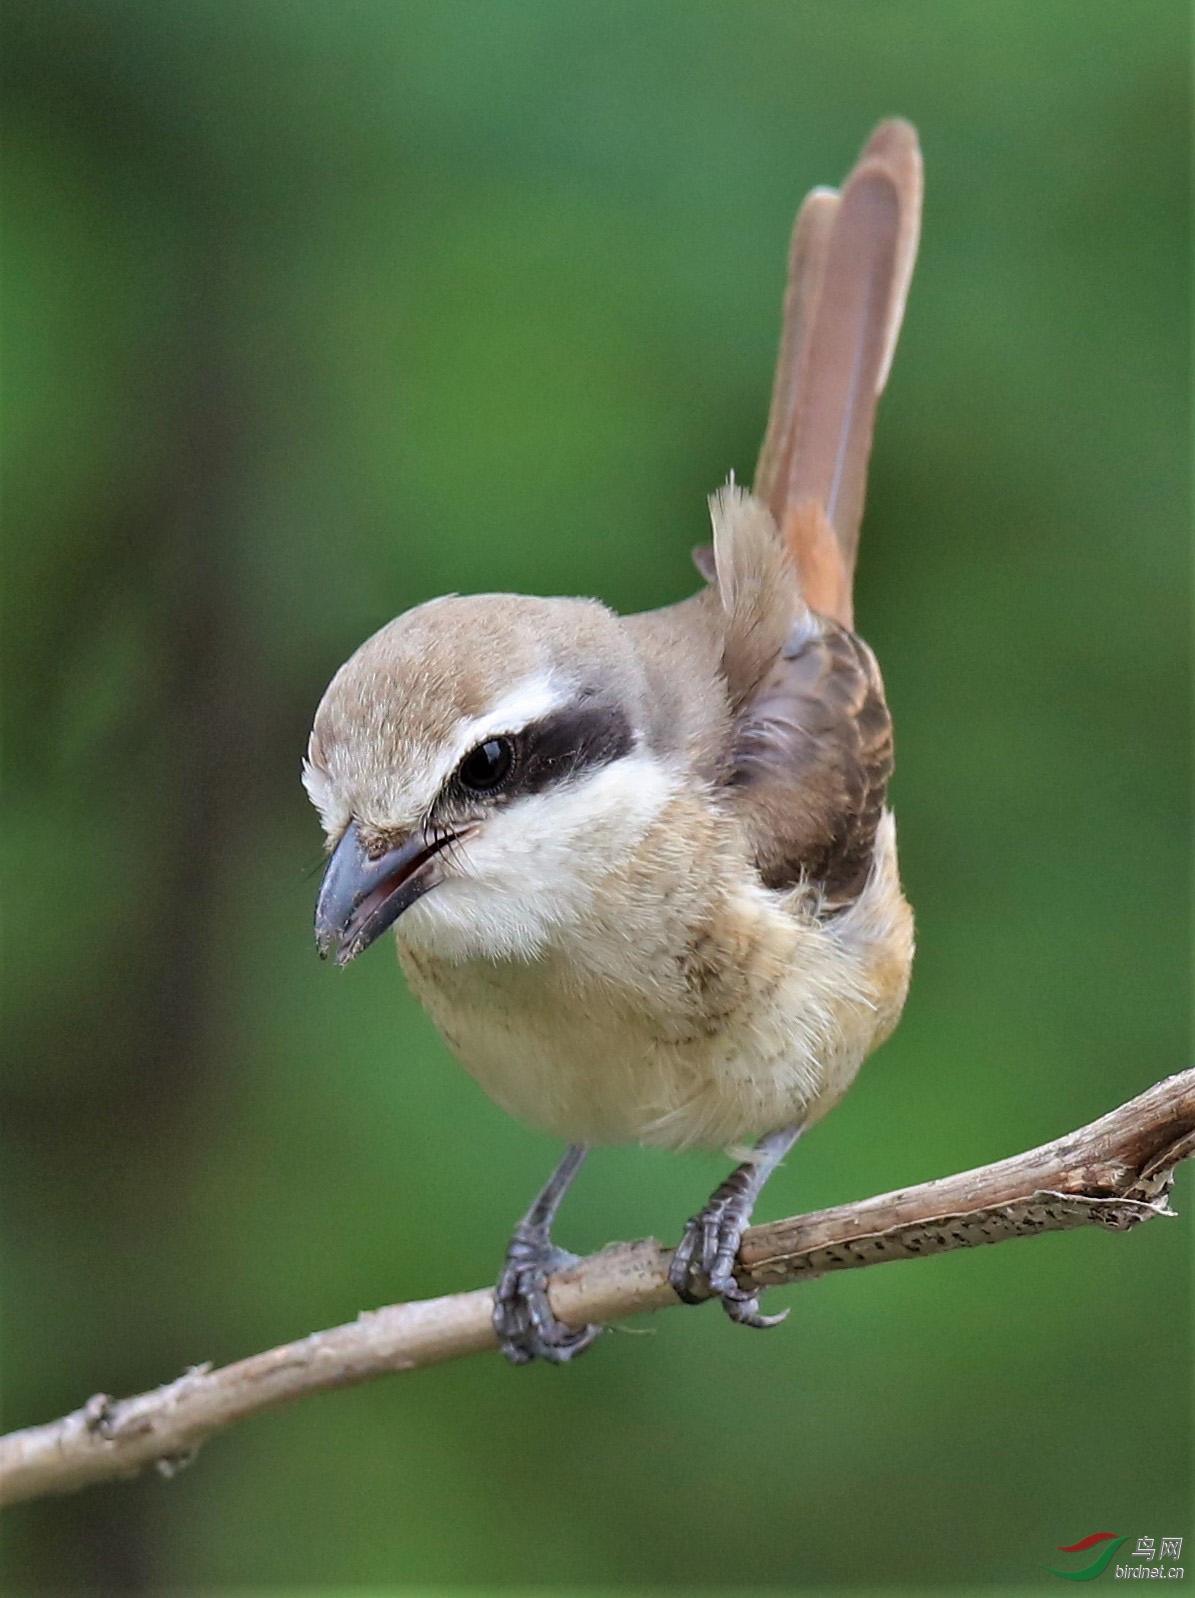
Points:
(528, 878)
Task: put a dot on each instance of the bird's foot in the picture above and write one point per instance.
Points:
(523, 1319)
(703, 1264)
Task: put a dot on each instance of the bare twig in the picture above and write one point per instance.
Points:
(1113, 1173)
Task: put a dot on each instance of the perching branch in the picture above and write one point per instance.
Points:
(1113, 1173)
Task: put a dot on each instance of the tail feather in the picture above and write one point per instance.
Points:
(806, 269)
(850, 263)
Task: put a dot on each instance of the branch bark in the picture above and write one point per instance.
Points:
(1112, 1173)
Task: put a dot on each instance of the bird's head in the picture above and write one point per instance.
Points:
(479, 767)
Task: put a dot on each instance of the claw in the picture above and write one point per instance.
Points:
(702, 1265)
(742, 1306)
(523, 1319)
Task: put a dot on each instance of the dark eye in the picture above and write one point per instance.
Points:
(488, 766)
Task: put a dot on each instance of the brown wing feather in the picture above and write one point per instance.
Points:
(812, 755)
(812, 744)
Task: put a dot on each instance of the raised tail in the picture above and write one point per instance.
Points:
(849, 266)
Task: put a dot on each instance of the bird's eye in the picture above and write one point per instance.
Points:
(488, 766)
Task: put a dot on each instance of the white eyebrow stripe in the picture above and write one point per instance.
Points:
(526, 702)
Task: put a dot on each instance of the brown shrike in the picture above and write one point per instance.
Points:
(640, 868)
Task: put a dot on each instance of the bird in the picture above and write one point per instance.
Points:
(641, 870)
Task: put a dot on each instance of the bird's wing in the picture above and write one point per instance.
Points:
(811, 738)
(810, 762)
(809, 744)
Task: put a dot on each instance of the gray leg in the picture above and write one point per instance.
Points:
(523, 1317)
(703, 1264)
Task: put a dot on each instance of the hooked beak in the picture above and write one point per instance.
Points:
(360, 897)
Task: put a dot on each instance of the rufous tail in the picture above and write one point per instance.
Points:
(849, 266)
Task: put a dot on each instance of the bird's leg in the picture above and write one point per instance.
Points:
(523, 1318)
(703, 1265)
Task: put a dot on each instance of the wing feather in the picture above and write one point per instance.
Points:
(811, 739)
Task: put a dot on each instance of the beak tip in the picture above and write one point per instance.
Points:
(361, 895)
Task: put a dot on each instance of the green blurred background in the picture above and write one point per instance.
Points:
(314, 310)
